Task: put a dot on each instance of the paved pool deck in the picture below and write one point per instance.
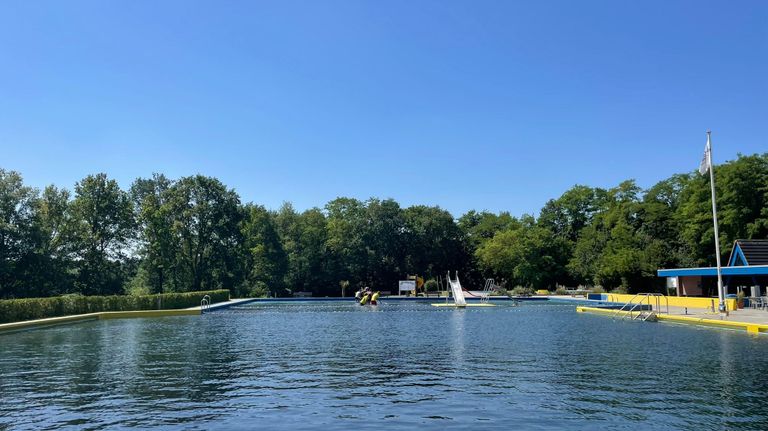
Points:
(746, 315)
(751, 320)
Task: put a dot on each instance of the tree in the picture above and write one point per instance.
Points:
(158, 247)
(347, 254)
(614, 251)
(100, 229)
(205, 221)
(742, 204)
(433, 241)
(47, 271)
(567, 215)
(17, 212)
(529, 255)
(384, 241)
(477, 228)
(266, 260)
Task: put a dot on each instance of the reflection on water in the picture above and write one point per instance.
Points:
(341, 366)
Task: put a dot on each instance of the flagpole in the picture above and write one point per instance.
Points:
(720, 292)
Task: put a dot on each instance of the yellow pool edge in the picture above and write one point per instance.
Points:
(104, 315)
(754, 328)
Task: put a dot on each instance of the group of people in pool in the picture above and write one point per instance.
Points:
(365, 295)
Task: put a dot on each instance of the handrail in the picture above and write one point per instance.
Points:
(205, 303)
(490, 284)
(642, 297)
(631, 300)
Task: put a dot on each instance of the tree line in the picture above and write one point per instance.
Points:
(194, 233)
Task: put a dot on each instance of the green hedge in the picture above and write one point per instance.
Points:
(15, 310)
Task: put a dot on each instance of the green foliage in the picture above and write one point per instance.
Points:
(561, 291)
(522, 291)
(100, 226)
(158, 247)
(433, 241)
(304, 238)
(205, 220)
(431, 285)
(266, 262)
(14, 310)
(530, 255)
(567, 215)
(194, 234)
(257, 290)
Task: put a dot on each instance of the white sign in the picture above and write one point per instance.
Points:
(407, 285)
(671, 282)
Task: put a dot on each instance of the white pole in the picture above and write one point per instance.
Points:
(720, 292)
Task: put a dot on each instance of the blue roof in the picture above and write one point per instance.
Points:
(712, 271)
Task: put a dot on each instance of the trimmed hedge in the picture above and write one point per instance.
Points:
(15, 310)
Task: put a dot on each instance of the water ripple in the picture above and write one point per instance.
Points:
(401, 366)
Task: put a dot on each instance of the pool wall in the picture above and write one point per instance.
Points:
(753, 328)
(104, 315)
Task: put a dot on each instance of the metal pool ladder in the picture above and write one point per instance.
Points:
(490, 286)
(205, 303)
(638, 301)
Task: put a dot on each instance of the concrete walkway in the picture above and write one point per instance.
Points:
(746, 315)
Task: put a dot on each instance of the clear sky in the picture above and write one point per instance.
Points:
(467, 105)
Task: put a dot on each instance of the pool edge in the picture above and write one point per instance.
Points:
(752, 328)
(6, 328)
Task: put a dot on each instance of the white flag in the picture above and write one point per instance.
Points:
(704, 166)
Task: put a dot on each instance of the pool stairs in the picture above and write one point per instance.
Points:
(647, 306)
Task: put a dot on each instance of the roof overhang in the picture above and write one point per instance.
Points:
(712, 271)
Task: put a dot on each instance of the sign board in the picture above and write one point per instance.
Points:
(407, 285)
(672, 282)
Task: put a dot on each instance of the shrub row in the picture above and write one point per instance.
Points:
(15, 310)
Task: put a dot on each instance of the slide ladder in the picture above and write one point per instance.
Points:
(457, 291)
(490, 286)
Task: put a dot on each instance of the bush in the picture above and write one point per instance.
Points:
(522, 291)
(561, 291)
(259, 290)
(597, 289)
(431, 285)
(621, 290)
(14, 310)
(500, 291)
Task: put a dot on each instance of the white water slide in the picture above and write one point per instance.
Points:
(457, 291)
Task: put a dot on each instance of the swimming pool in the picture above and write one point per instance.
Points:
(336, 365)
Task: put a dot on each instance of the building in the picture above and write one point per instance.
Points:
(747, 270)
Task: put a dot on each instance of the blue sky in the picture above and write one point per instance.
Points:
(467, 105)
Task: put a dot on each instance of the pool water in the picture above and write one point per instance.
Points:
(402, 365)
